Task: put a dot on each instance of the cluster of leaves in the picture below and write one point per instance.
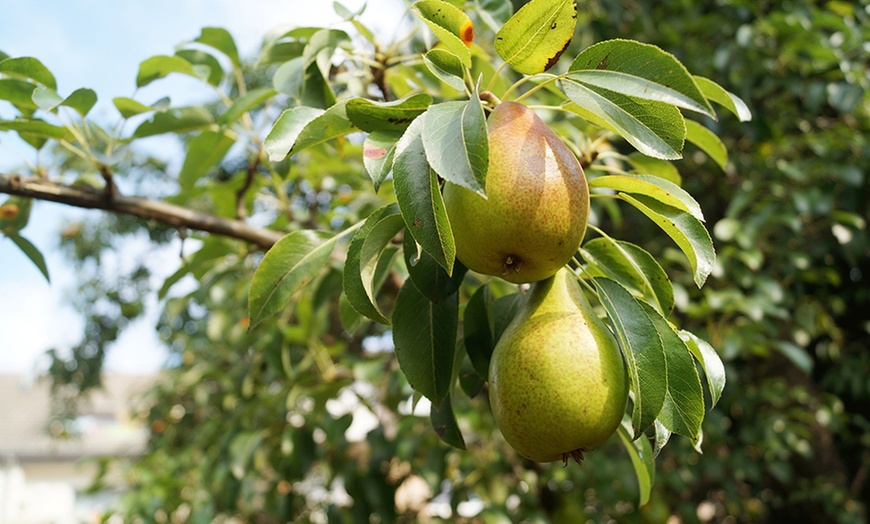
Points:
(266, 398)
(624, 87)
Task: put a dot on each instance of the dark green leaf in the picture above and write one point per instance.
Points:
(640, 71)
(683, 409)
(536, 36)
(729, 101)
(632, 267)
(504, 309)
(379, 148)
(444, 423)
(424, 335)
(710, 363)
(477, 330)
(204, 151)
(363, 253)
(220, 39)
(241, 452)
(428, 276)
(446, 66)
(642, 348)
(642, 459)
(287, 267)
(176, 120)
(28, 67)
(450, 24)
(687, 231)
(656, 129)
(707, 141)
(19, 92)
(654, 187)
(245, 103)
(456, 142)
(420, 199)
(373, 116)
(32, 252)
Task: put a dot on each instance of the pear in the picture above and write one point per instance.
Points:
(558, 385)
(536, 207)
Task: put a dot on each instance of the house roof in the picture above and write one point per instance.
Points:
(105, 423)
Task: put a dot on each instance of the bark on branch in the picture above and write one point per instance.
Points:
(149, 209)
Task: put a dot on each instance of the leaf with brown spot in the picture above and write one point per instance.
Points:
(536, 36)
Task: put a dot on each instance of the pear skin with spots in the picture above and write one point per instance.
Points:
(537, 201)
(558, 384)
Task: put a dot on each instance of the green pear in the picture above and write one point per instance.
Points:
(536, 207)
(558, 385)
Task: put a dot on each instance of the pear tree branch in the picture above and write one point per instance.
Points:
(149, 209)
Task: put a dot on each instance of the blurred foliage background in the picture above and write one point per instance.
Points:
(247, 426)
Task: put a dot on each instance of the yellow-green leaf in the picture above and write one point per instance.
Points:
(536, 36)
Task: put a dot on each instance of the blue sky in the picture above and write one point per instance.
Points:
(99, 44)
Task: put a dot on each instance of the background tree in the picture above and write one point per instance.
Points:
(246, 423)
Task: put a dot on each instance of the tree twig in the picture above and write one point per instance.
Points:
(149, 209)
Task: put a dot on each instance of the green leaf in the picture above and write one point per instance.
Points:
(287, 267)
(477, 330)
(642, 348)
(450, 24)
(15, 214)
(245, 103)
(373, 116)
(302, 127)
(220, 39)
(157, 67)
(640, 71)
(32, 252)
(129, 107)
(710, 363)
(683, 409)
(447, 67)
(663, 435)
(203, 152)
(654, 187)
(726, 99)
(428, 276)
(494, 13)
(424, 335)
(205, 64)
(320, 48)
(419, 198)
(82, 100)
(666, 169)
(456, 143)
(18, 92)
(35, 126)
(687, 231)
(46, 98)
(642, 459)
(241, 452)
(379, 148)
(289, 76)
(363, 254)
(444, 423)
(176, 120)
(707, 141)
(28, 67)
(631, 266)
(536, 36)
(656, 129)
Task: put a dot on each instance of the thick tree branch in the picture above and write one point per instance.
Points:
(149, 209)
